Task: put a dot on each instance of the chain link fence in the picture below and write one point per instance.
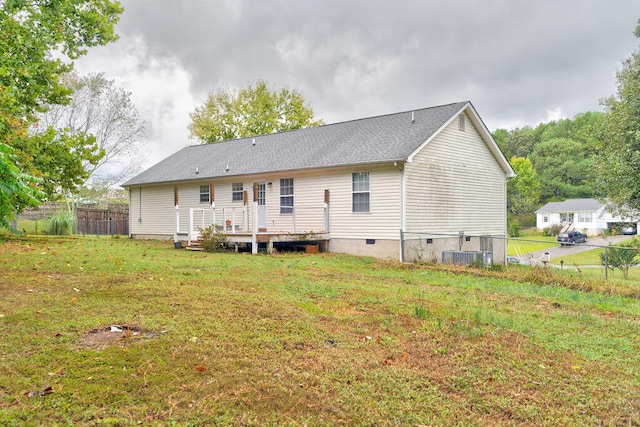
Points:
(603, 257)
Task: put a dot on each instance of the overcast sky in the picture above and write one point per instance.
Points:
(518, 62)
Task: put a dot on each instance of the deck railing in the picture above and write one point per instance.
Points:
(233, 220)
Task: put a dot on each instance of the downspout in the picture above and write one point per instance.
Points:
(506, 219)
(140, 204)
(129, 212)
(402, 205)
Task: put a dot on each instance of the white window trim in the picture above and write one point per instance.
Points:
(241, 192)
(368, 211)
(286, 209)
(201, 193)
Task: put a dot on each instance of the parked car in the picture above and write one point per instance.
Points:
(516, 260)
(571, 238)
(630, 230)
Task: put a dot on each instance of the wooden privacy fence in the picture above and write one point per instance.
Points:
(101, 221)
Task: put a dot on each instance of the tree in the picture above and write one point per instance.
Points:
(499, 135)
(618, 164)
(623, 257)
(523, 191)
(32, 31)
(59, 158)
(564, 168)
(253, 110)
(17, 189)
(520, 142)
(101, 109)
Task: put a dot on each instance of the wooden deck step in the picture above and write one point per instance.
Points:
(195, 245)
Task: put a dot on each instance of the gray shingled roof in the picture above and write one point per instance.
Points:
(378, 139)
(572, 205)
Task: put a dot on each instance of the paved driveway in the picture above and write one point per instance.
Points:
(557, 251)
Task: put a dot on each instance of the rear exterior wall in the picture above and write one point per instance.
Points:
(454, 184)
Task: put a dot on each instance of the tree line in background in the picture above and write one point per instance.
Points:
(592, 155)
(553, 161)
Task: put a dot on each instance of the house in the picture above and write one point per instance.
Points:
(399, 186)
(587, 215)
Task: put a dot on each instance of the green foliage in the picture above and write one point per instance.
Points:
(564, 168)
(213, 238)
(34, 33)
(59, 158)
(619, 158)
(552, 230)
(253, 110)
(18, 190)
(61, 224)
(523, 191)
(513, 227)
(560, 153)
(622, 256)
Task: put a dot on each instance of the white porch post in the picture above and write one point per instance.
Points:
(190, 231)
(213, 214)
(233, 220)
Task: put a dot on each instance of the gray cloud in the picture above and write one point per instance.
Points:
(517, 61)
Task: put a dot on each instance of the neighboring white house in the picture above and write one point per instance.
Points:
(396, 186)
(587, 215)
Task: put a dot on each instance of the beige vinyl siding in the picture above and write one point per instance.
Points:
(455, 184)
(156, 217)
(381, 222)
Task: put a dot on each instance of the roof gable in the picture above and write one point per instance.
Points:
(388, 138)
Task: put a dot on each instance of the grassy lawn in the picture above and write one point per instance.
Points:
(525, 245)
(294, 339)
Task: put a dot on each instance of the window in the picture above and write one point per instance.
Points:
(237, 192)
(205, 194)
(360, 192)
(584, 217)
(461, 122)
(286, 195)
(545, 218)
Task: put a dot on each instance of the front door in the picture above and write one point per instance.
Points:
(262, 206)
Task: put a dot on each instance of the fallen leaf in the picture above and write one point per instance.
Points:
(201, 368)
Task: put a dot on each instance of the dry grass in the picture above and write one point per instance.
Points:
(298, 339)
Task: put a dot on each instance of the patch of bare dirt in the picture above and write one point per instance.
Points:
(115, 335)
